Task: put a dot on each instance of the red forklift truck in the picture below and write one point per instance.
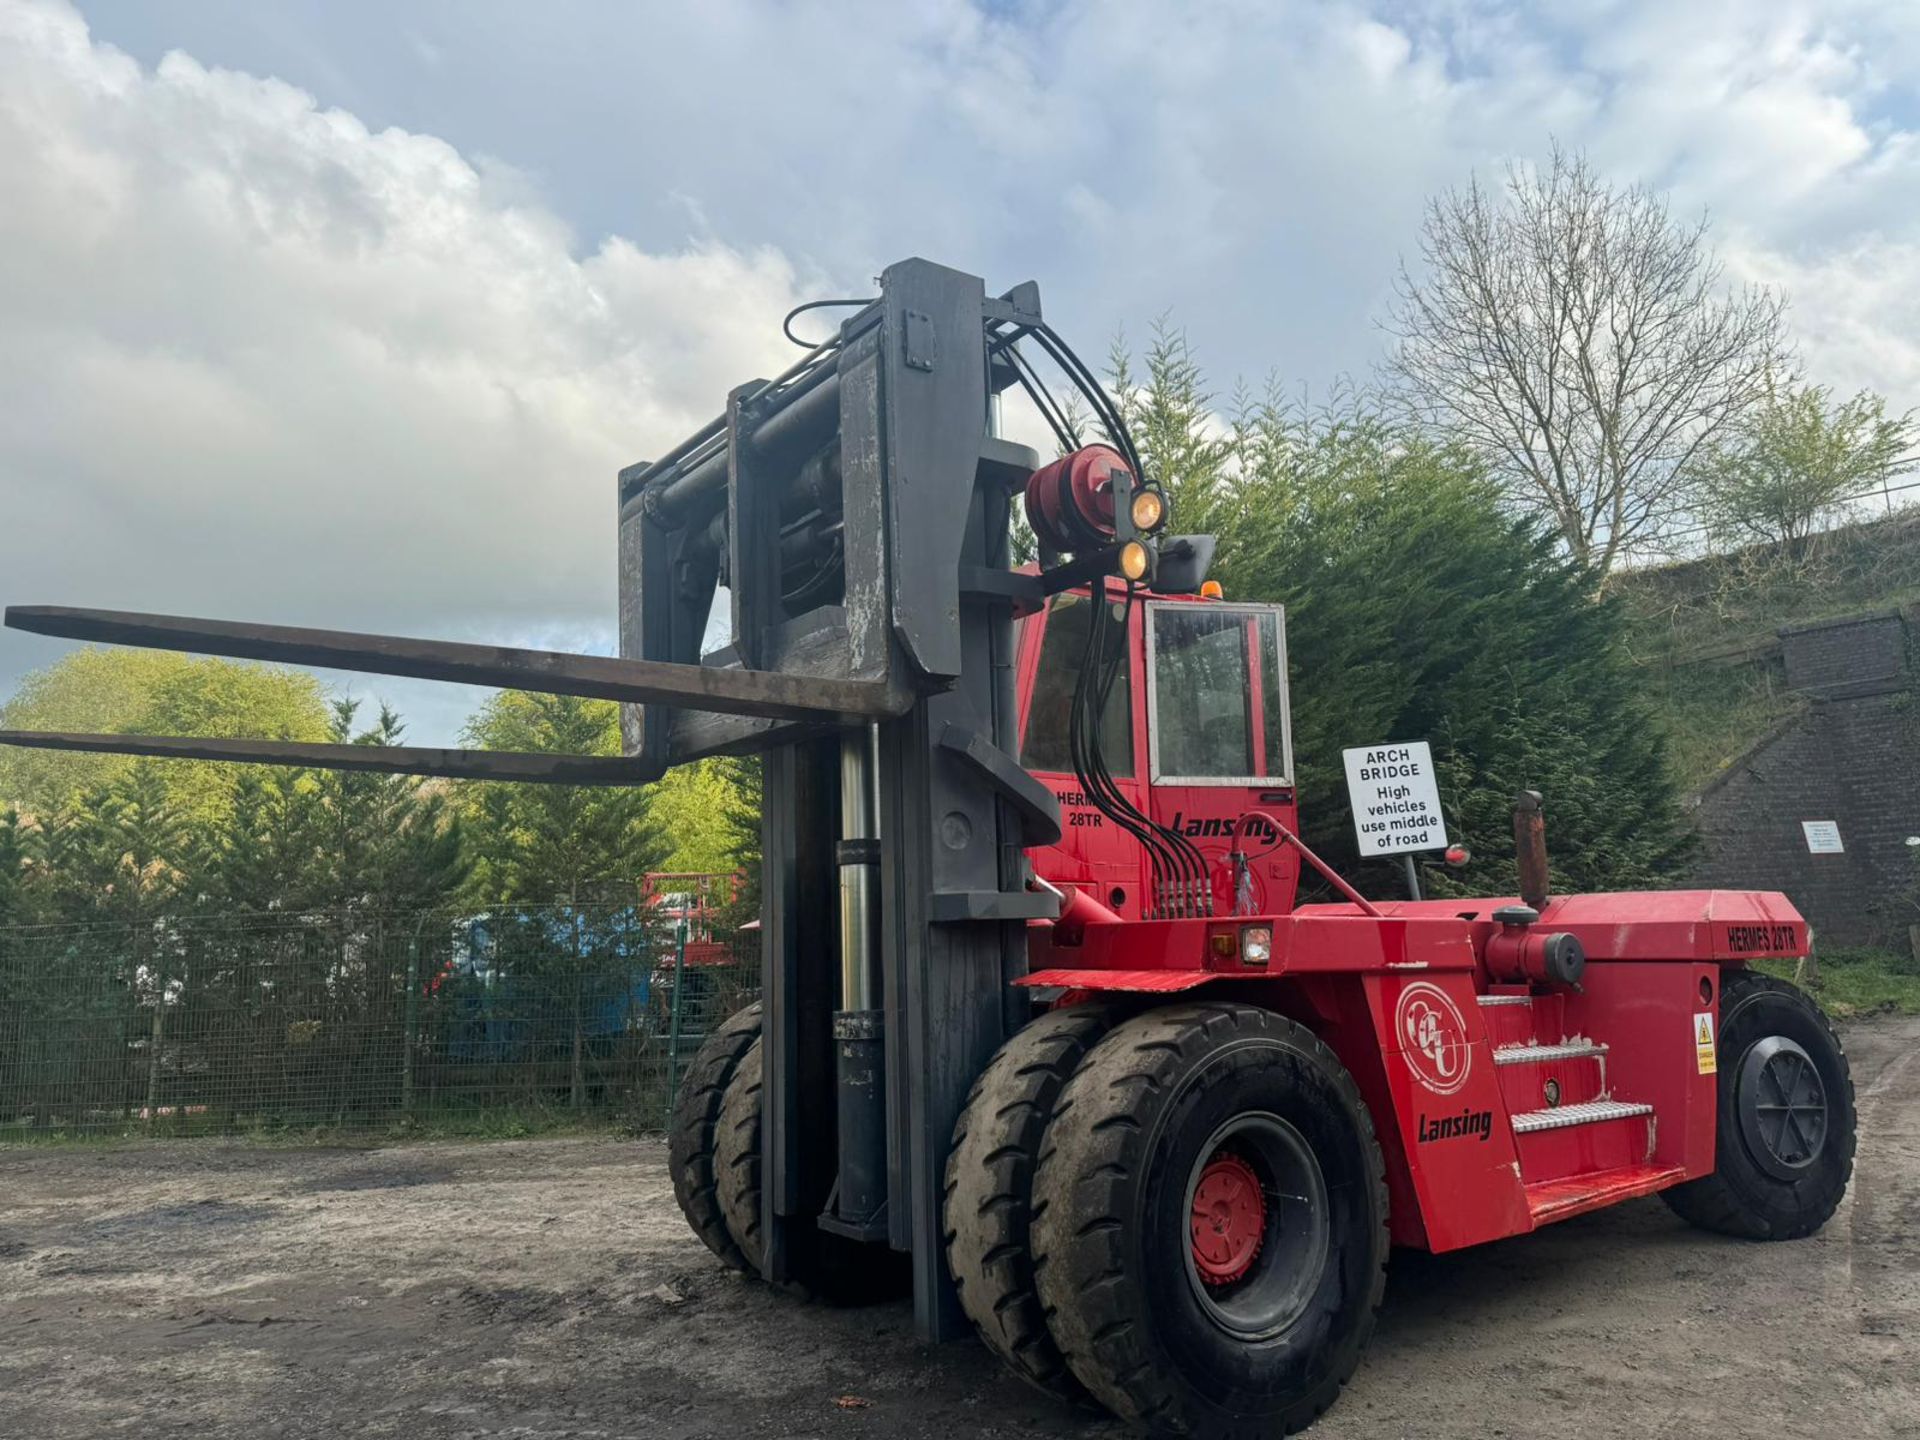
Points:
(1045, 1037)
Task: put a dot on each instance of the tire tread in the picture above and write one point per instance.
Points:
(1080, 1226)
(737, 1157)
(988, 1193)
(691, 1131)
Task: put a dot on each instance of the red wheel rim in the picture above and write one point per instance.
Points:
(1229, 1219)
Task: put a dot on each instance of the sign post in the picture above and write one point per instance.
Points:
(1396, 802)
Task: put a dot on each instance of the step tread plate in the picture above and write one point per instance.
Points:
(1589, 1112)
(1506, 999)
(1565, 1050)
(1560, 1199)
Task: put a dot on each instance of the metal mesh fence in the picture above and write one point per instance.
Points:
(497, 1022)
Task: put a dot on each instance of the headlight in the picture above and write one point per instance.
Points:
(1133, 560)
(1256, 944)
(1149, 509)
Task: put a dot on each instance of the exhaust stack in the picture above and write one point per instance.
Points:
(1530, 848)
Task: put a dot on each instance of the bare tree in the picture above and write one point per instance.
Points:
(1582, 340)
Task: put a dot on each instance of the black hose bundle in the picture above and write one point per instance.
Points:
(1181, 885)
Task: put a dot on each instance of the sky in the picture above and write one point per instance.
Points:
(341, 313)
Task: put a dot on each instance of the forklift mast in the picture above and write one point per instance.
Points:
(852, 518)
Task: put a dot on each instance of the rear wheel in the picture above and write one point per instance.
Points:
(1784, 1150)
(691, 1135)
(989, 1190)
(1210, 1222)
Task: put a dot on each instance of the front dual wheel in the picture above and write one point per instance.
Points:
(714, 1152)
(1205, 1225)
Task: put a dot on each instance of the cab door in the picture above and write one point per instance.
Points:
(1220, 741)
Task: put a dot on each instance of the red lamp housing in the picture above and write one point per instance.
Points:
(1070, 503)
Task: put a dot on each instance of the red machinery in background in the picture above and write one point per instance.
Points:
(702, 901)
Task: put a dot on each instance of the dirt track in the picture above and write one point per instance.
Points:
(546, 1289)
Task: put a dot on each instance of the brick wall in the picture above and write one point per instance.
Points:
(1852, 757)
(1863, 652)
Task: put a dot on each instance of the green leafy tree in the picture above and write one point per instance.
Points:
(385, 842)
(56, 851)
(125, 853)
(541, 844)
(691, 808)
(13, 869)
(297, 840)
(124, 850)
(742, 817)
(1787, 471)
(156, 693)
(1170, 415)
(266, 855)
(552, 850)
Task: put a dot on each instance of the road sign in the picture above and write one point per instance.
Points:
(1396, 800)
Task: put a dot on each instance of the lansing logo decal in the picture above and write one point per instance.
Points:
(1478, 1123)
(1433, 1037)
(1258, 827)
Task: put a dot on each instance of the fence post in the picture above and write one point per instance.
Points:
(156, 1036)
(410, 1013)
(673, 1022)
(577, 1077)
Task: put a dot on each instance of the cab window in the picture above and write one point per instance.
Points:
(1046, 746)
(1219, 704)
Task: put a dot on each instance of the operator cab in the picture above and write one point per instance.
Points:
(1195, 732)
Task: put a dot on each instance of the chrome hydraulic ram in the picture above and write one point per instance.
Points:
(859, 1030)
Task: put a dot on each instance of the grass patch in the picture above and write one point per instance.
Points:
(1713, 709)
(1748, 594)
(1859, 982)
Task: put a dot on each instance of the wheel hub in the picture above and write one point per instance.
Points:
(1229, 1219)
(1259, 1226)
(1782, 1103)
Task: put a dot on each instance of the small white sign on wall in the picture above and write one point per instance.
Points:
(1823, 837)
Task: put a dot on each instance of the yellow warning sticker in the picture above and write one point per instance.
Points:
(1703, 1043)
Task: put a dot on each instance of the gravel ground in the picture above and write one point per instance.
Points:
(548, 1288)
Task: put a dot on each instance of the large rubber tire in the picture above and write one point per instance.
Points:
(1743, 1197)
(1113, 1233)
(696, 1116)
(989, 1190)
(819, 1265)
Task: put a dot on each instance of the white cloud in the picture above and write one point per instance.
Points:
(258, 361)
(241, 330)
(1856, 311)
